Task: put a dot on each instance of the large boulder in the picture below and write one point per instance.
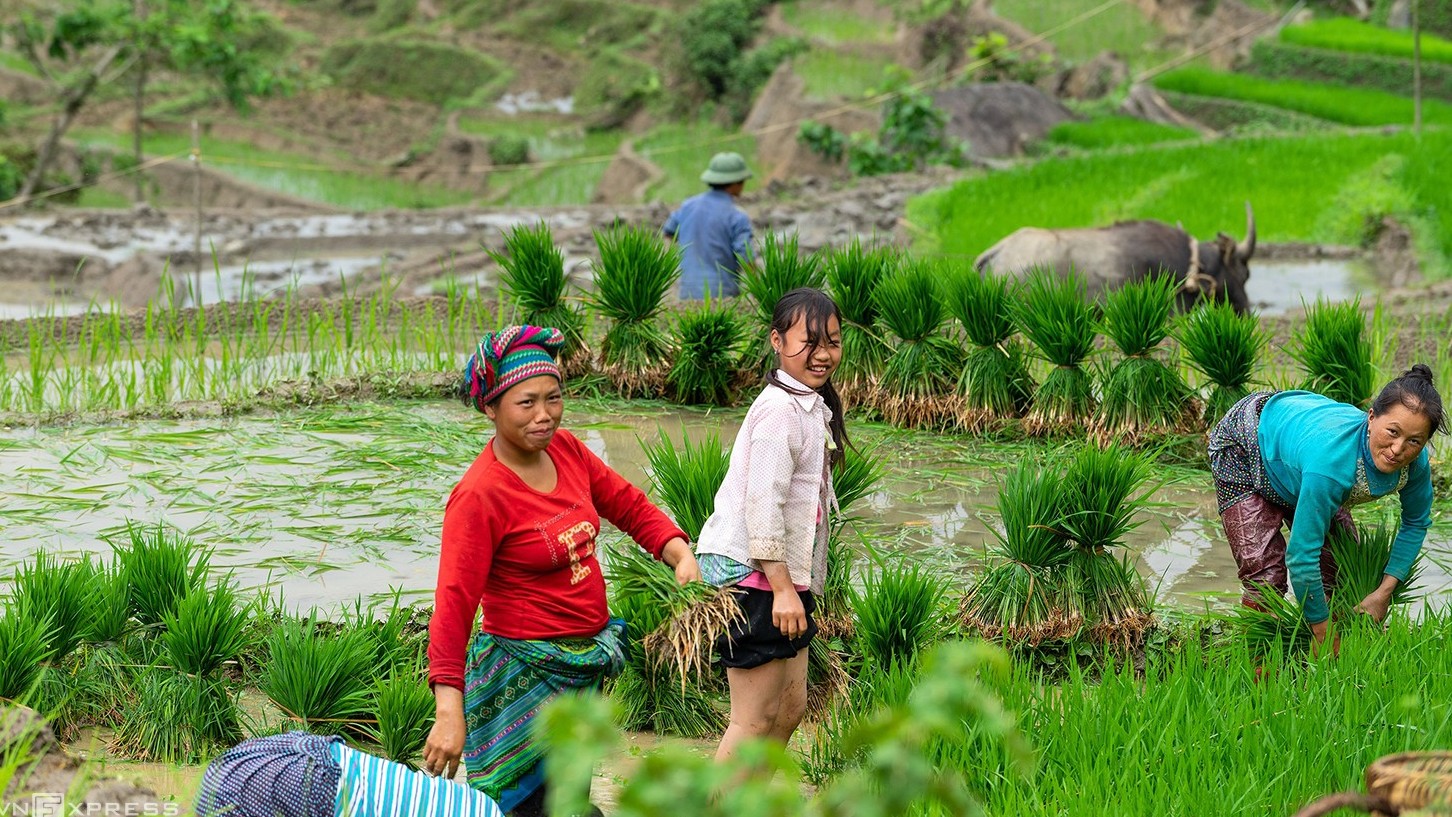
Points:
(999, 119)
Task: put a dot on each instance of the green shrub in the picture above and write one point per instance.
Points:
(715, 58)
(392, 14)
(1269, 58)
(570, 25)
(1349, 106)
(614, 88)
(411, 69)
(1363, 203)
(1113, 131)
(507, 149)
(1345, 34)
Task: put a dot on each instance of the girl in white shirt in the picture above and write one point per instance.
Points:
(768, 533)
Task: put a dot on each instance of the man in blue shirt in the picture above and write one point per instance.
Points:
(713, 232)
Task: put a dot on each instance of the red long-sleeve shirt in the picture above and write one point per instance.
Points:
(529, 557)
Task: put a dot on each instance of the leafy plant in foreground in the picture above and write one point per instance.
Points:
(917, 386)
(1225, 347)
(1054, 315)
(995, 383)
(1333, 350)
(707, 343)
(1141, 393)
(637, 268)
(532, 275)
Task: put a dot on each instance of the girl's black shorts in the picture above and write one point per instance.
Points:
(757, 640)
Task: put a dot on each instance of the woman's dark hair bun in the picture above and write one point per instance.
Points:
(1420, 371)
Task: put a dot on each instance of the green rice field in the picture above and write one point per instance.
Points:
(1335, 103)
(1345, 34)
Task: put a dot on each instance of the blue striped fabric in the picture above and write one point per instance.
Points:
(370, 786)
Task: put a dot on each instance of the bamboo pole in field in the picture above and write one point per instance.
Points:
(197, 201)
(1416, 71)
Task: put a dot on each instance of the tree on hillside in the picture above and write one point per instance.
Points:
(81, 46)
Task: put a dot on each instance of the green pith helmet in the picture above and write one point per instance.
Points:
(726, 168)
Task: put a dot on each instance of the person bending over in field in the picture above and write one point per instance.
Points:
(1299, 459)
(767, 535)
(519, 541)
(299, 774)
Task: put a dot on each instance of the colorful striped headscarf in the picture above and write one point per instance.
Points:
(509, 356)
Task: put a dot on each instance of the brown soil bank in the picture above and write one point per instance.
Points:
(48, 781)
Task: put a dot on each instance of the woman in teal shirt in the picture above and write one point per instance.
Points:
(1299, 459)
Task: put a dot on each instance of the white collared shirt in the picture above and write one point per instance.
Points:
(773, 503)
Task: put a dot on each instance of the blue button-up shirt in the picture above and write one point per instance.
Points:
(712, 232)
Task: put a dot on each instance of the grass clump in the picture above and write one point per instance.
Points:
(161, 567)
(919, 380)
(46, 589)
(1054, 315)
(320, 680)
(635, 272)
(1224, 347)
(853, 275)
(687, 477)
(24, 648)
(1141, 393)
(1332, 348)
(707, 341)
(412, 69)
(532, 276)
(995, 383)
(208, 628)
(781, 269)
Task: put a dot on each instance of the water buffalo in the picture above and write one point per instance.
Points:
(1107, 257)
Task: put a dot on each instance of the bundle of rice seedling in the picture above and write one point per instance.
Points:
(899, 612)
(177, 718)
(853, 477)
(107, 617)
(1141, 393)
(995, 383)
(321, 681)
(1225, 347)
(1024, 598)
(1276, 623)
(532, 276)
(161, 567)
(47, 589)
(827, 676)
(1361, 565)
(1054, 315)
(782, 268)
(393, 647)
(686, 478)
(1332, 347)
(636, 270)
(918, 383)
(853, 275)
(208, 628)
(24, 647)
(404, 708)
(1104, 488)
(708, 341)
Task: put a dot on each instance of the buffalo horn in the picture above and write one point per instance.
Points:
(1246, 248)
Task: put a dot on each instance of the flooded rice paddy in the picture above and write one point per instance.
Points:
(324, 506)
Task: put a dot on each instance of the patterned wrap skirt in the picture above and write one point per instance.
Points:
(1235, 460)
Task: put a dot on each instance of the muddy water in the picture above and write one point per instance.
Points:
(330, 506)
(1279, 286)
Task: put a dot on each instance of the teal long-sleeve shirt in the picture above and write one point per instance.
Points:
(1311, 446)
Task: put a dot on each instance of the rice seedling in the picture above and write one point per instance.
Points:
(707, 343)
(1361, 562)
(161, 567)
(854, 476)
(1054, 315)
(207, 629)
(995, 383)
(320, 681)
(636, 270)
(24, 648)
(404, 708)
(1276, 624)
(532, 275)
(1141, 393)
(177, 718)
(108, 610)
(685, 478)
(649, 698)
(898, 612)
(47, 589)
(1225, 348)
(1333, 350)
(393, 648)
(781, 269)
(917, 385)
(853, 275)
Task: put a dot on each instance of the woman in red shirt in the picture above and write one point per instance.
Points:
(519, 541)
